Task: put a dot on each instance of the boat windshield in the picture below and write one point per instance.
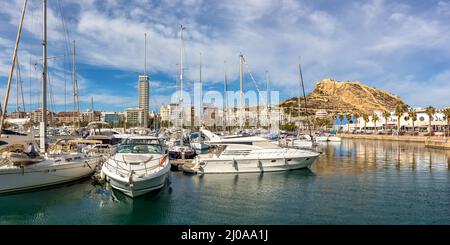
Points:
(140, 148)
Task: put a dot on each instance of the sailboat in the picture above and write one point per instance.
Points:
(181, 149)
(195, 138)
(44, 169)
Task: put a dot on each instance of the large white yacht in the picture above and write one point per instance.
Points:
(246, 155)
(138, 167)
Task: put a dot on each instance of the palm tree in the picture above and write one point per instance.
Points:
(366, 119)
(399, 111)
(446, 112)
(412, 114)
(386, 115)
(375, 118)
(348, 117)
(341, 118)
(430, 111)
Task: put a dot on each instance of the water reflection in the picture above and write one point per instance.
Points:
(369, 155)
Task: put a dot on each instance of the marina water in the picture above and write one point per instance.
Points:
(352, 182)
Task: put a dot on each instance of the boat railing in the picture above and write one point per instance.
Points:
(114, 164)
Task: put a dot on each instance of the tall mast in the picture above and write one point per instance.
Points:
(201, 88)
(268, 99)
(74, 79)
(17, 85)
(300, 83)
(43, 128)
(92, 108)
(181, 63)
(225, 96)
(304, 97)
(145, 54)
(11, 71)
(241, 85)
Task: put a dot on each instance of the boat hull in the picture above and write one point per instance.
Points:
(139, 186)
(34, 177)
(213, 166)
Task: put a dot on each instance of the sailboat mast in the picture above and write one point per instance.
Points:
(225, 96)
(304, 97)
(11, 71)
(43, 126)
(201, 90)
(181, 63)
(241, 85)
(74, 78)
(268, 99)
(145, 54)
(299, 101)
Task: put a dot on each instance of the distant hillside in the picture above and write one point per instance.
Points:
(346, 97)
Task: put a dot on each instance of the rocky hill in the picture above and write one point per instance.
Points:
(347, 98)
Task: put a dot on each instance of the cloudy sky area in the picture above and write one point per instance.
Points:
(399, 46)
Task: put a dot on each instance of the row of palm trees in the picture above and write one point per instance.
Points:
(399, 112)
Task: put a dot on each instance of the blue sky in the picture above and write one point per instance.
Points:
(399, 46)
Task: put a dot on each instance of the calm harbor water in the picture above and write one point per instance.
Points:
(352, 182)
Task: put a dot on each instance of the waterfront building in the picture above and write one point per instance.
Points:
(164, 112)
(143, 100)
(36, 116)
(438, 122)
(134, 117)
(113, 118)
(91, 116)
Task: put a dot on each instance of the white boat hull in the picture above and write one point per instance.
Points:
(138, 184)
(250, 165)
(16, 179)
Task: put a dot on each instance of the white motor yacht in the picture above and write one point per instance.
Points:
(138, 167)
(247, 155)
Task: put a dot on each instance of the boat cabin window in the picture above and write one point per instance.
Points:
(141, 141)
(140, 148)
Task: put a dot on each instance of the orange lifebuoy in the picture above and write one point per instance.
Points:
(163, 160)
